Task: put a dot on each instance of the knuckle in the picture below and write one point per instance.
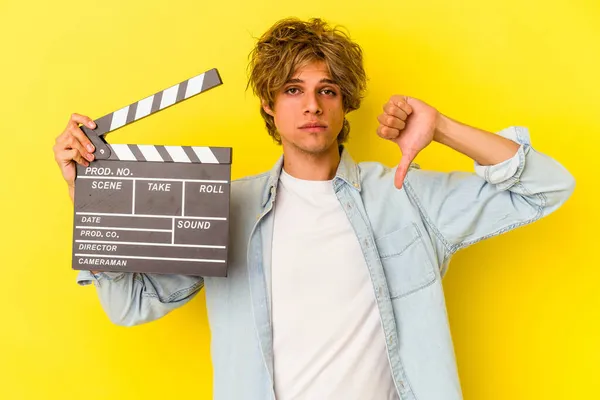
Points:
(391, 133)
(75, 133)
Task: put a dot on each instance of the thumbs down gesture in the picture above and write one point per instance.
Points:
(411, 124)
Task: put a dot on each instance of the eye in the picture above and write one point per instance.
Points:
(292, 90)
(328, 92)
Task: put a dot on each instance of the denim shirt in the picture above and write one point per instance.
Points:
(407, 237)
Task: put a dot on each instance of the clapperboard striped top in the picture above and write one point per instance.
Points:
(150, 105)
(183, 154)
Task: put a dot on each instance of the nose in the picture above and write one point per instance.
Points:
(312, 104)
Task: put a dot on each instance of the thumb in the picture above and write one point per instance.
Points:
(402, 170)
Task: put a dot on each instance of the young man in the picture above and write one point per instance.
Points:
(334, 288)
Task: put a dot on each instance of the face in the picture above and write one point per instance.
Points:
(308, 110)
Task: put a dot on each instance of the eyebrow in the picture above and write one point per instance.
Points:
(324, 80)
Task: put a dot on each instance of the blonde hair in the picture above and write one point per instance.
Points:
(291, 43)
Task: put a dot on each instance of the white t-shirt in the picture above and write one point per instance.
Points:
(327, 337)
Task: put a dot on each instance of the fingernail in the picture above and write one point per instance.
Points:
(90, 148)
(91, 124)
(90, 157)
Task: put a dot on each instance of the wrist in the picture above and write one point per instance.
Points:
(443, 129)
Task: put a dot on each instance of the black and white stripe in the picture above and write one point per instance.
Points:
(178, 154)
(161, 100)
(150, 105)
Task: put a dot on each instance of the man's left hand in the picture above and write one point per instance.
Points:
(411, 124)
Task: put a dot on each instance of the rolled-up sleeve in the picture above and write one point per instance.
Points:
(85, 278)
(505, 174)
(134, 298)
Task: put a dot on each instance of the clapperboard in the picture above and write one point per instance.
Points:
(150, 208)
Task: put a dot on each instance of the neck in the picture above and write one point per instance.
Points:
(320, 166)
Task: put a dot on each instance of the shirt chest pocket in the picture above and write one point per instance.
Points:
(406, 263)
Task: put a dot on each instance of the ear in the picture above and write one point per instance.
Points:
(265, 106)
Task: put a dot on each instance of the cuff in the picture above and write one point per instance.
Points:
(85, 278)
(505, 174)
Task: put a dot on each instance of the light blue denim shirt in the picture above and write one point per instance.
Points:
(407, 237)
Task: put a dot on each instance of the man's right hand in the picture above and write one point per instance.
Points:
(73, 146)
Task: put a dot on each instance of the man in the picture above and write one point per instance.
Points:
(334, 284)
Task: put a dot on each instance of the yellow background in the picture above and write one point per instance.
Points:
(523, 306)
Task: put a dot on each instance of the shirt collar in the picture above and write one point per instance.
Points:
(347, 172)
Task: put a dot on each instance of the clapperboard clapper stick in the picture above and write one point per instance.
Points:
(153, 208)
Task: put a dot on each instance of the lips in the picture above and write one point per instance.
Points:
(310, 125)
